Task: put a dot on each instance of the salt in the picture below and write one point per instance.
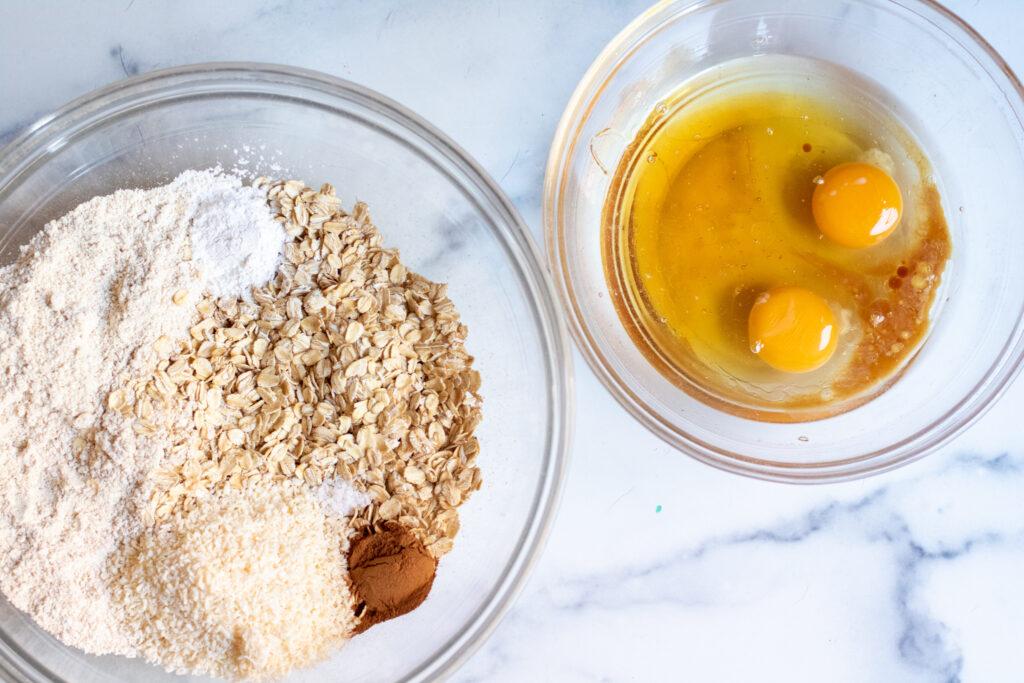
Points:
(340, 496)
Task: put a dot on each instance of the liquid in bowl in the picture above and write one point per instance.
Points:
(710, 207)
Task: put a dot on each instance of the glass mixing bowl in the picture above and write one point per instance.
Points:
(452, 224)
(965, 108)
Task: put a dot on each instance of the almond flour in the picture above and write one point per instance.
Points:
(247, 584)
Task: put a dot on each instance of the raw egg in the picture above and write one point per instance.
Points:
(792, 329)
(857, 205)
(758, 249)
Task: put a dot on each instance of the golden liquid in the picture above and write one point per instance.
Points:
(711, 206)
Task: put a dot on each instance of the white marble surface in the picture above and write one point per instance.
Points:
(915, 575)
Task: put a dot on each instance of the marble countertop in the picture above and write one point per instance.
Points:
(679, 572)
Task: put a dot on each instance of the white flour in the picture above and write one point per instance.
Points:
(82, 305)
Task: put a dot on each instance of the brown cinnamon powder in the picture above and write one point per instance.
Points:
(391, 574)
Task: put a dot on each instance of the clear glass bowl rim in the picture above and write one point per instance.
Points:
(971, 408)
(51, 131)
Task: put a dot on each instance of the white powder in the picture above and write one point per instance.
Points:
(340, 497)
(83, 304)
(235, 241)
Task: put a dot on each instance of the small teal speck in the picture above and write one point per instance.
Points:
(657, 509)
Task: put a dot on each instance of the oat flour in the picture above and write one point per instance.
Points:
(82, 304)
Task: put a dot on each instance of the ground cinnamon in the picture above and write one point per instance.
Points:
(391, 574)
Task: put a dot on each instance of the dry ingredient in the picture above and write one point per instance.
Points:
(245, 380)
(234, 240)
(246, 584)
(341, 497)
(82, 304)
(391, 574)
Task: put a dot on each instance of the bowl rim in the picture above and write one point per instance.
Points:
(969, 410)
(44, 135)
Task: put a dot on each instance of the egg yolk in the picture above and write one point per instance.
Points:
(792, 329)
(857, 205)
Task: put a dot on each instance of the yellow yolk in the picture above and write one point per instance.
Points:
(857, 205)
(792, 329)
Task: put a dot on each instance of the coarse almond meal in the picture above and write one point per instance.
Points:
(246, 584)
(346, 365)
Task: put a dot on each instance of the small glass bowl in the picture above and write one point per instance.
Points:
(967, 107)
(452, 223)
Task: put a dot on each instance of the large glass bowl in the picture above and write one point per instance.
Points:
(966, 111)
(452, 224)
